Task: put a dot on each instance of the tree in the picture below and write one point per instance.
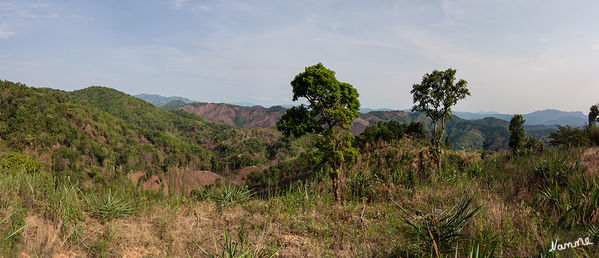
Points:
(593, 115)
(331, 109)
(516, 133)
(569, 137)
(435, 96)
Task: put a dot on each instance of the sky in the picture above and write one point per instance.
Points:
(518, 56)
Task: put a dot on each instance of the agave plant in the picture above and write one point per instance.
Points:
(231, 194)
(441, 229)
(109, 206)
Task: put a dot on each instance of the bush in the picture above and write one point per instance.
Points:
(533, 145)
(11, 162)
(569, 137)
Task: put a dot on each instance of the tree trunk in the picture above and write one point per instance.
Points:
(336, 183)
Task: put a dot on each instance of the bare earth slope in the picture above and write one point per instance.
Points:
(243, 117)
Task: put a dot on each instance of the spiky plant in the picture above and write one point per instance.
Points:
(441, 229)
(229, 194)
(109, 206)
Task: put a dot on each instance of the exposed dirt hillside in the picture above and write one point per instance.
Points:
(244, 117)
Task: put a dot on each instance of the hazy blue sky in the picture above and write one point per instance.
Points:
(517, 56)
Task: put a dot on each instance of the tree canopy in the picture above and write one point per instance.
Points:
(331, 109)
(516, 133)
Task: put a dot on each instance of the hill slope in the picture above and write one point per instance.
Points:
(487, 133)
(70, 135)
(240, 116)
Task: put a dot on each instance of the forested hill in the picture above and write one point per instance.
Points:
(70, 135)
(102, 128)
(488, 133)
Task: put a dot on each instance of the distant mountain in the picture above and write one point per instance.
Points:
(556, 117)
(487, 133)
(541, 117)
(158, 100)
(366, 110)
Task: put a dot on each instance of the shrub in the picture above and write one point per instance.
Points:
(569, 136)
(533, 145)
(11, 162)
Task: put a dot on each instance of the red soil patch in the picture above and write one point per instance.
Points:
(193, 179)
(135, 177)
(154, 183)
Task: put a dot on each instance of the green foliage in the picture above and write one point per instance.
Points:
(229, 194)
(108, 206)
(224, 193)
(532, 145)
(566, 192)
(390, 131)
(435, 96)
(593, 115)
(11, 162)
(361, 186)
(332, 107)
(476, 251)
(283, 174)
(441, 227)
(11, 226)
(516, 133)
(569, 137)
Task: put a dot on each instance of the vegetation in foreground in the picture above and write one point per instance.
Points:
(513, 205)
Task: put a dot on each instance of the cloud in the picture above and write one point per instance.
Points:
(179, 3)
(5, 32)
(595, 47)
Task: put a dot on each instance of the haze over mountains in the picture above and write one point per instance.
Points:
(465, 131)
(549, 117)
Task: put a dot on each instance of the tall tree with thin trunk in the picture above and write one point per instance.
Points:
(593, 115)
(516, 133)
(331, 109)
(435, 96)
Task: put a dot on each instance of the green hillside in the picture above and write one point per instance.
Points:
(105, 129)
(71, 135)
(232, 147)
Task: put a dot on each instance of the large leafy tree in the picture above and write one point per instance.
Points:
(516, 133)
(330, 110)
(435, 96)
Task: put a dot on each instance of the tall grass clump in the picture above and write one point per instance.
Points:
(11, 226)
(232, 249)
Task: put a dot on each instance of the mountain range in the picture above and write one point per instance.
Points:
(476, 133)
(540, 117)
(549, 117)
